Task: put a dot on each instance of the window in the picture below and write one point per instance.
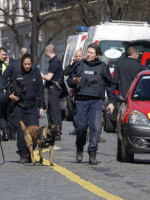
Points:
(142, 90)
(112, 51)
(143, 46)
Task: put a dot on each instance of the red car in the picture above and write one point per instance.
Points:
(133, 123)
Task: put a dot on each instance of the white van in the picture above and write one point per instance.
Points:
(114, 36)
(74, 43)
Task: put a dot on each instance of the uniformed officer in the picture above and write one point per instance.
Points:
(89, 79)
(25, 104)
(78, 56)
(53, 79)
(67, 71)
(12, 69)
(3, 113)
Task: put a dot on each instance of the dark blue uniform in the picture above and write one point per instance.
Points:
(13, 68)
(54, 92)
(26, 109)
(3, 106)
(125, 72)
(90, 94)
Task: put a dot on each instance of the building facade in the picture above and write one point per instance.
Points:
(59, 21)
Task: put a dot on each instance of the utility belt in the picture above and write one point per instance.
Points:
(80, 98)
(26, 106)
(52, 83)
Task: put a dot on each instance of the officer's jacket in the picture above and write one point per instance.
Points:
(125, 72)
(96, 78)
(33, 86)
(12, 69)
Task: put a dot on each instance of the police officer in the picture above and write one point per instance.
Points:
(12, 69)
(127, 69)
(54, 90)
(89, 79)
(78, 56)
(25, 104)
(3, 113)
(68, 70)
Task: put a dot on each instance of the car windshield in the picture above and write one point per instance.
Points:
(112, 51)
(142, 47)
(142, 90)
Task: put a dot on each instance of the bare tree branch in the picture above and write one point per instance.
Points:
(53, 37)
(12, 26)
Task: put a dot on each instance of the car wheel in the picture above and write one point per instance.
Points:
(109, 126)
(125, 156)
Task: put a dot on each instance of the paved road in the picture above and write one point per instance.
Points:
(69, 180)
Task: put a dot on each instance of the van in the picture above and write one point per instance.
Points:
(74, 43)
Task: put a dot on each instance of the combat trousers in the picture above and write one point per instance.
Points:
(88, 114)
(54, 110)
(29, 117)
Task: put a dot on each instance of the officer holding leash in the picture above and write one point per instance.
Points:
(89, 79)
(27, 93)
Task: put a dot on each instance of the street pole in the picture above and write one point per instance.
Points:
(34, 41)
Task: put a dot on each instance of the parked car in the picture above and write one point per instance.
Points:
(133, 123)
(144, 59)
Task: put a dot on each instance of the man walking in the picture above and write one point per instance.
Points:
(127, 69)
(89, 78)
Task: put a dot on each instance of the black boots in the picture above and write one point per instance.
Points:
(92, 158)
(79, 154)
(101, 139)
(5, 135)
(12, 133)
(73, 132)
(23, 159)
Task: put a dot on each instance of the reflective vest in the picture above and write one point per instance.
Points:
(3, 67)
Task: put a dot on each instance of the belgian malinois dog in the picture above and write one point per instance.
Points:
(43, 136)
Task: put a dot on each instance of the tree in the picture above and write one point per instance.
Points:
(79, 12)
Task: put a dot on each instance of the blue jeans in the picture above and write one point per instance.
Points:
(88, 113)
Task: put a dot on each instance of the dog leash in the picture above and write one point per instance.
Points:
(2, 152)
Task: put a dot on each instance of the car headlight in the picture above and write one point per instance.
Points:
(137, 117)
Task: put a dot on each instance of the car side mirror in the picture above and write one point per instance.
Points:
(120, 98)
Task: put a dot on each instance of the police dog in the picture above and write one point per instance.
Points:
(43, 136)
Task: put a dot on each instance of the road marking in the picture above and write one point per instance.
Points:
(77, 179)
